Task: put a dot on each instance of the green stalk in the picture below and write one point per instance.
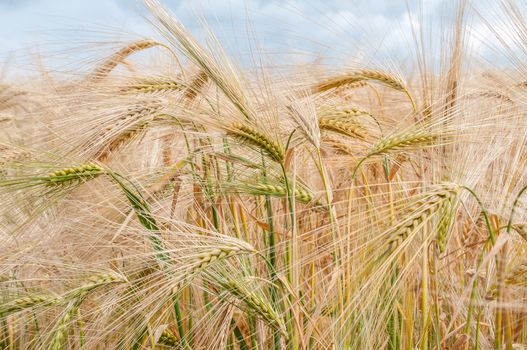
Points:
(272, 253)
(147, 220)
(239, 337)
(80, 325)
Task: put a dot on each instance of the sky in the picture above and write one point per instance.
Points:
(56, 30)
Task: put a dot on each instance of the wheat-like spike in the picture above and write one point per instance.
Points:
(201, 261)
(60, 334)
(10, 154)
(255, 138)
(141, 117)
(348, 128)
(106, 67)
(168, 338)
(356, 85)
(125, 137)
(491, 94)
(361, 75)
(518, 275)
(521, 229)
(337, 112)
(339, 145)
(257, 304)
(77, 173)
(154, 85)
(446, 213)
(403, 141)
(301, 195)
(27, 302)
(196, 85)
(93, 282)
(422, 210)
(215, 66)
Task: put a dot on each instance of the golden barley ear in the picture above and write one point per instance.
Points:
(125, 128)
(521, 229)
(27, 302)
(114, 60)
(153, 85)
(436, 201)
(384, 78)
(10, 154)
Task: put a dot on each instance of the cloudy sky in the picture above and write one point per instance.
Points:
(378, 29)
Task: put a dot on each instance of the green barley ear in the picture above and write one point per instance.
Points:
(201, 261)
(256, 303)
(168, 338)
(62, 326)
(58, 178)
(94, 282)
(27, 302)
(402, 141)
(446, 214)
(257, 139)
(408, 140)
(74, 174)
(302, 194)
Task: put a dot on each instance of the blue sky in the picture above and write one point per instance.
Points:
(57, 29)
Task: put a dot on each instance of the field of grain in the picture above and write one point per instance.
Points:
(212, 205)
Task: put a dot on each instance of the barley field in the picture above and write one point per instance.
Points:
(193, 202)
